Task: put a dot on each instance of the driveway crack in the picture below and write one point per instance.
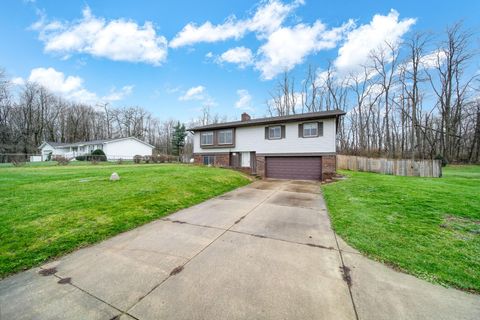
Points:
(181, 267)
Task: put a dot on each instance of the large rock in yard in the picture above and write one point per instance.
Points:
(114, 177)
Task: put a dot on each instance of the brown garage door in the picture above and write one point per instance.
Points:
(303, 168)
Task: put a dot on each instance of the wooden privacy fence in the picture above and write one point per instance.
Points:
(397, 167)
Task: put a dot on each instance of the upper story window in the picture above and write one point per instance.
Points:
(275, 132)
(310, 129)
(225, 137)
(206, 138)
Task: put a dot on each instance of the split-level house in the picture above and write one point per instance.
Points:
(299, 146)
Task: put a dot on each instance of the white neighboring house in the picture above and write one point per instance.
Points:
(121, 148)
(299, 146)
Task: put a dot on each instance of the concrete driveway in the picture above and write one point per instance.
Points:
(265, 251)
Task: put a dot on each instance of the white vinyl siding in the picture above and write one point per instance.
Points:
(225, 137)
(207, 138)
(253, 139)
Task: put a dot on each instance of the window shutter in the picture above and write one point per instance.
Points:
(282, 129)
(320, 129)
(300, 130)
(266, 133)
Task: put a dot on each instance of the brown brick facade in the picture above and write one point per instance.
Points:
(221, 159)
(329, 166)
(197, 159)
(260, 166)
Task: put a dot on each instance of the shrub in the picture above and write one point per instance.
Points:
(18, 163)
(61, 160)
(147, 159)
(162, 158)
(442, 158)
(137, 158)
(81, 158)
(155, 158)
(98, 155)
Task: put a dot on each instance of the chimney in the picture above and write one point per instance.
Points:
(245, 116)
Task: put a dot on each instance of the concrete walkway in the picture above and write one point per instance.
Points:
(265, 251)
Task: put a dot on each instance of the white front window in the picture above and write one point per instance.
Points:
(225, 137)
(275, 132)
(206, 138)
(310, 129)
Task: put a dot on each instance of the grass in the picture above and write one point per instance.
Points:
(47, 211)
(428, 227)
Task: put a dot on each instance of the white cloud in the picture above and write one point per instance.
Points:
(239, 55)
(244, 101)
(433, 59)
(268, 17)
(363, 40)
(70, 87)
(288, 46)
(117, 95)
(17, 81)
(194, 93)
(119, 40)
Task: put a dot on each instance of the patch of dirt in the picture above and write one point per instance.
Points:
(47, 272)
(65, 281)
(177, 270)
(346, 275)
(463, 226)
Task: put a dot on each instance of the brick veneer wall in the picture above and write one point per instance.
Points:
(260, 166)
(329, 166)
(197, 159)
(221, 159)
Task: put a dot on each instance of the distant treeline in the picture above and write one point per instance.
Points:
(418, 99)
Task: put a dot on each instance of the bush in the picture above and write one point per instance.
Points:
(18, 163)
(442, 158)
(81, 158)
(61, 160)
(98, 155)
(147, 159)
(137, 158)
(162, 158)
(155, 158)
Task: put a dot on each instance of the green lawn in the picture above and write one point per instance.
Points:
(46, 211)
(429, 227)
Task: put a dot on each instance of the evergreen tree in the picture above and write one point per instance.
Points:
(178, 138)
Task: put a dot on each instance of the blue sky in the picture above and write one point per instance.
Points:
(173, 57)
